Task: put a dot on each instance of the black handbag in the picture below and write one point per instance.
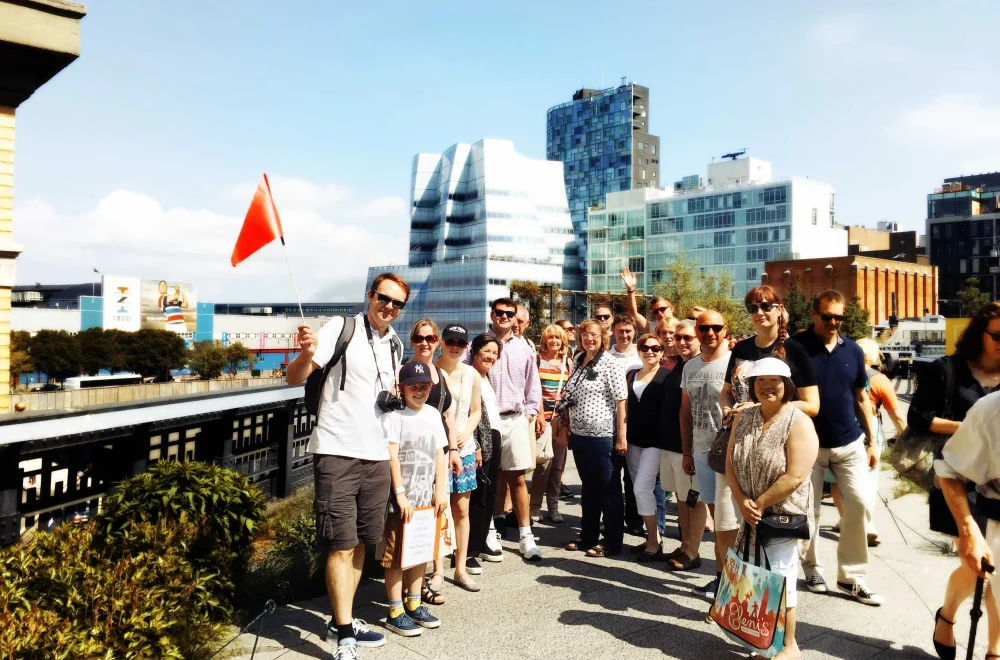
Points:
(943, 522)
(783, 526)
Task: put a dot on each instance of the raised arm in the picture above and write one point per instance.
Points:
(628, 279)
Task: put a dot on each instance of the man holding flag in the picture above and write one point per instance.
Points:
(350, 452)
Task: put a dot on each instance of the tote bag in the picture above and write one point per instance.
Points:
(750, 602)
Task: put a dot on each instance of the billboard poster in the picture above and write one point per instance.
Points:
(131, 304)
(168, 305)
(121, 303)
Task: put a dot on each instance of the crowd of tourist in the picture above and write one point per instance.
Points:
(742, 435)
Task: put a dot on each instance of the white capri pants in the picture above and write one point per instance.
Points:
(643, 466)
(784, 557)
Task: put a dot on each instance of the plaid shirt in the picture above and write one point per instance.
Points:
(515, 379)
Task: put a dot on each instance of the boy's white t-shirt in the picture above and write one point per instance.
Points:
(421, 437)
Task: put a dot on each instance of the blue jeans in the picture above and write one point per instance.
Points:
(661, 506)
(601, 491)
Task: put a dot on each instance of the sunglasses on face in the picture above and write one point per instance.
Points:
(995, 336)
(430, 339)
(602, 317)
(386, 300)
(647, 348)
(569, 329)
(456, 343)
(501, 313)
(714, 328)
(660, 310)
(684, 338)
(832, 318)
(764, 307)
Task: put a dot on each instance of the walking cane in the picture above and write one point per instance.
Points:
(977, 609)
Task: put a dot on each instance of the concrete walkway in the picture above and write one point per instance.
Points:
(568, 607)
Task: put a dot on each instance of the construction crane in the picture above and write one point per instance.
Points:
(735, 154)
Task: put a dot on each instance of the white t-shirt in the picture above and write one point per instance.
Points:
(630, 361)
(703, 382)
(348, 420)
(421, 437)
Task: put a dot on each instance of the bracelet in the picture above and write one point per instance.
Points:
(688, 455)
(400, 490)
(451, 449)
(630, 291)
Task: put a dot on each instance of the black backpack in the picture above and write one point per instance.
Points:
(316, 380)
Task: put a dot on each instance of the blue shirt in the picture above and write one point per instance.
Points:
(838, 374)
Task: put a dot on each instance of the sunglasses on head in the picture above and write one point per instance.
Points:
(646, 348)
(762, 306)
(828, 318)
(456, 343)
(602, 317)
(501, 313)
(386, 300)
(430, 339)
(659, 310)
(714, 328)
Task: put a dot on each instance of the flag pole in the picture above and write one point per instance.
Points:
(292, 275)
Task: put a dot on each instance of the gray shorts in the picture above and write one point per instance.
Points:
(350, 500)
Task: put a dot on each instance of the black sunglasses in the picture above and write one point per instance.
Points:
(646, 348)
(715, 328)
(764, 307)
(657, 310)
(430, 339)
(456, 343)
(386, 300)
(827, 318)
(602, 317)
(995, 336)
(684, 338)
(500, 313)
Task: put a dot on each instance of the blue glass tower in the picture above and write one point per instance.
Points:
(602, 139)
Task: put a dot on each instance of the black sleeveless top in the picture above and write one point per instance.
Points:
(645, 415)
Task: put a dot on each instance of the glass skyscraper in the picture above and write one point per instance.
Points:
(481, 216)
(602, 139)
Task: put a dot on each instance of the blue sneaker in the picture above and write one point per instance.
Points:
(403, 625)
(363, 633)
(422, 617)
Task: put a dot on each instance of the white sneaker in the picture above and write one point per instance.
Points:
(816, 584)
(861, 593)
(529, 550)
(493, 542)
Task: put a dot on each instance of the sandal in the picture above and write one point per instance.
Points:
(574, 546)
(599, 551)
(430, 596)
(684, 563)
(943, 650)
(647, 556)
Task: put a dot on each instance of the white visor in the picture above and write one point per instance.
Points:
(770, 366)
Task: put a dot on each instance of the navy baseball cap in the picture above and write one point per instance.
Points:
(455, 331)
(415, 372)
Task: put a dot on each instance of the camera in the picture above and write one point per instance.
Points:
(388, 402)
(565, 403)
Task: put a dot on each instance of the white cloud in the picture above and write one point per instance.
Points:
(837, 32)
(855, 39)
(333, 235)
(951, 122)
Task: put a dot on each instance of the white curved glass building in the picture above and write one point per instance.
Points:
(481, 216)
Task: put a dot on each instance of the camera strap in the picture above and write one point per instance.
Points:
(371, 345)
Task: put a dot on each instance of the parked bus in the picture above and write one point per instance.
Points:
(87, 382)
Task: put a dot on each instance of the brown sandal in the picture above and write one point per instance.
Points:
(684, 563)
(575, 546)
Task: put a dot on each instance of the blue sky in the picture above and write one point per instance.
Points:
(140, 157)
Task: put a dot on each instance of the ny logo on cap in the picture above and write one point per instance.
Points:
(419, 368)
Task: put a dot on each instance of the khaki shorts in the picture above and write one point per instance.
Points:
(386, 550)
(672, 476)
(727, 516)
(516, 444)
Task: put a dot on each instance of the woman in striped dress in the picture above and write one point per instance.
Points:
(553, 370)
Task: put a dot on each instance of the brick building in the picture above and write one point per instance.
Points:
(874, 281)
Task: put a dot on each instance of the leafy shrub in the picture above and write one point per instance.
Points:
(287, 569)
(222, 504)
(69, 595)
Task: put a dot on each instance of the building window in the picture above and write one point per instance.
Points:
(962, 265)
(653, 147)
(814, 217)
(975, 265)
(644, 174)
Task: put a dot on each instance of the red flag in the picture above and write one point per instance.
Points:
(261, 226)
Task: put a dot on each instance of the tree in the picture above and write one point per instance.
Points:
(119, 344)
(155, 352)
(798, 307)
(971, 297)
(56, 353)
(237, 356)
(207, 358)
(688, 286)
(855, 325)
(536, 298)
(20, 357)
(95, 350)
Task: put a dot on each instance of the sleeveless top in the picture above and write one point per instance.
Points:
(553, 381)
(461, 403)
(759, 459)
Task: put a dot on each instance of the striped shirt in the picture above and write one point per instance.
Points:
(514, 378)
(553, 382)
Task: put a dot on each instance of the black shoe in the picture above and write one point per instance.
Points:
(565, 493)
(473, 567)
(646, 556)
(944, 652)
(500, 523)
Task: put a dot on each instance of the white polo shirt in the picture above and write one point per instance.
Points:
(349, 423)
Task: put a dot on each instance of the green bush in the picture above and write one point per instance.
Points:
(287, 569)
(222, 504)
(70, 595)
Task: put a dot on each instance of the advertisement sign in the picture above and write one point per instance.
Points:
(131, 304)
(121, 303)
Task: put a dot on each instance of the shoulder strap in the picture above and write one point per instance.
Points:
(444, 388)
(949, 383)
(340, 350)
